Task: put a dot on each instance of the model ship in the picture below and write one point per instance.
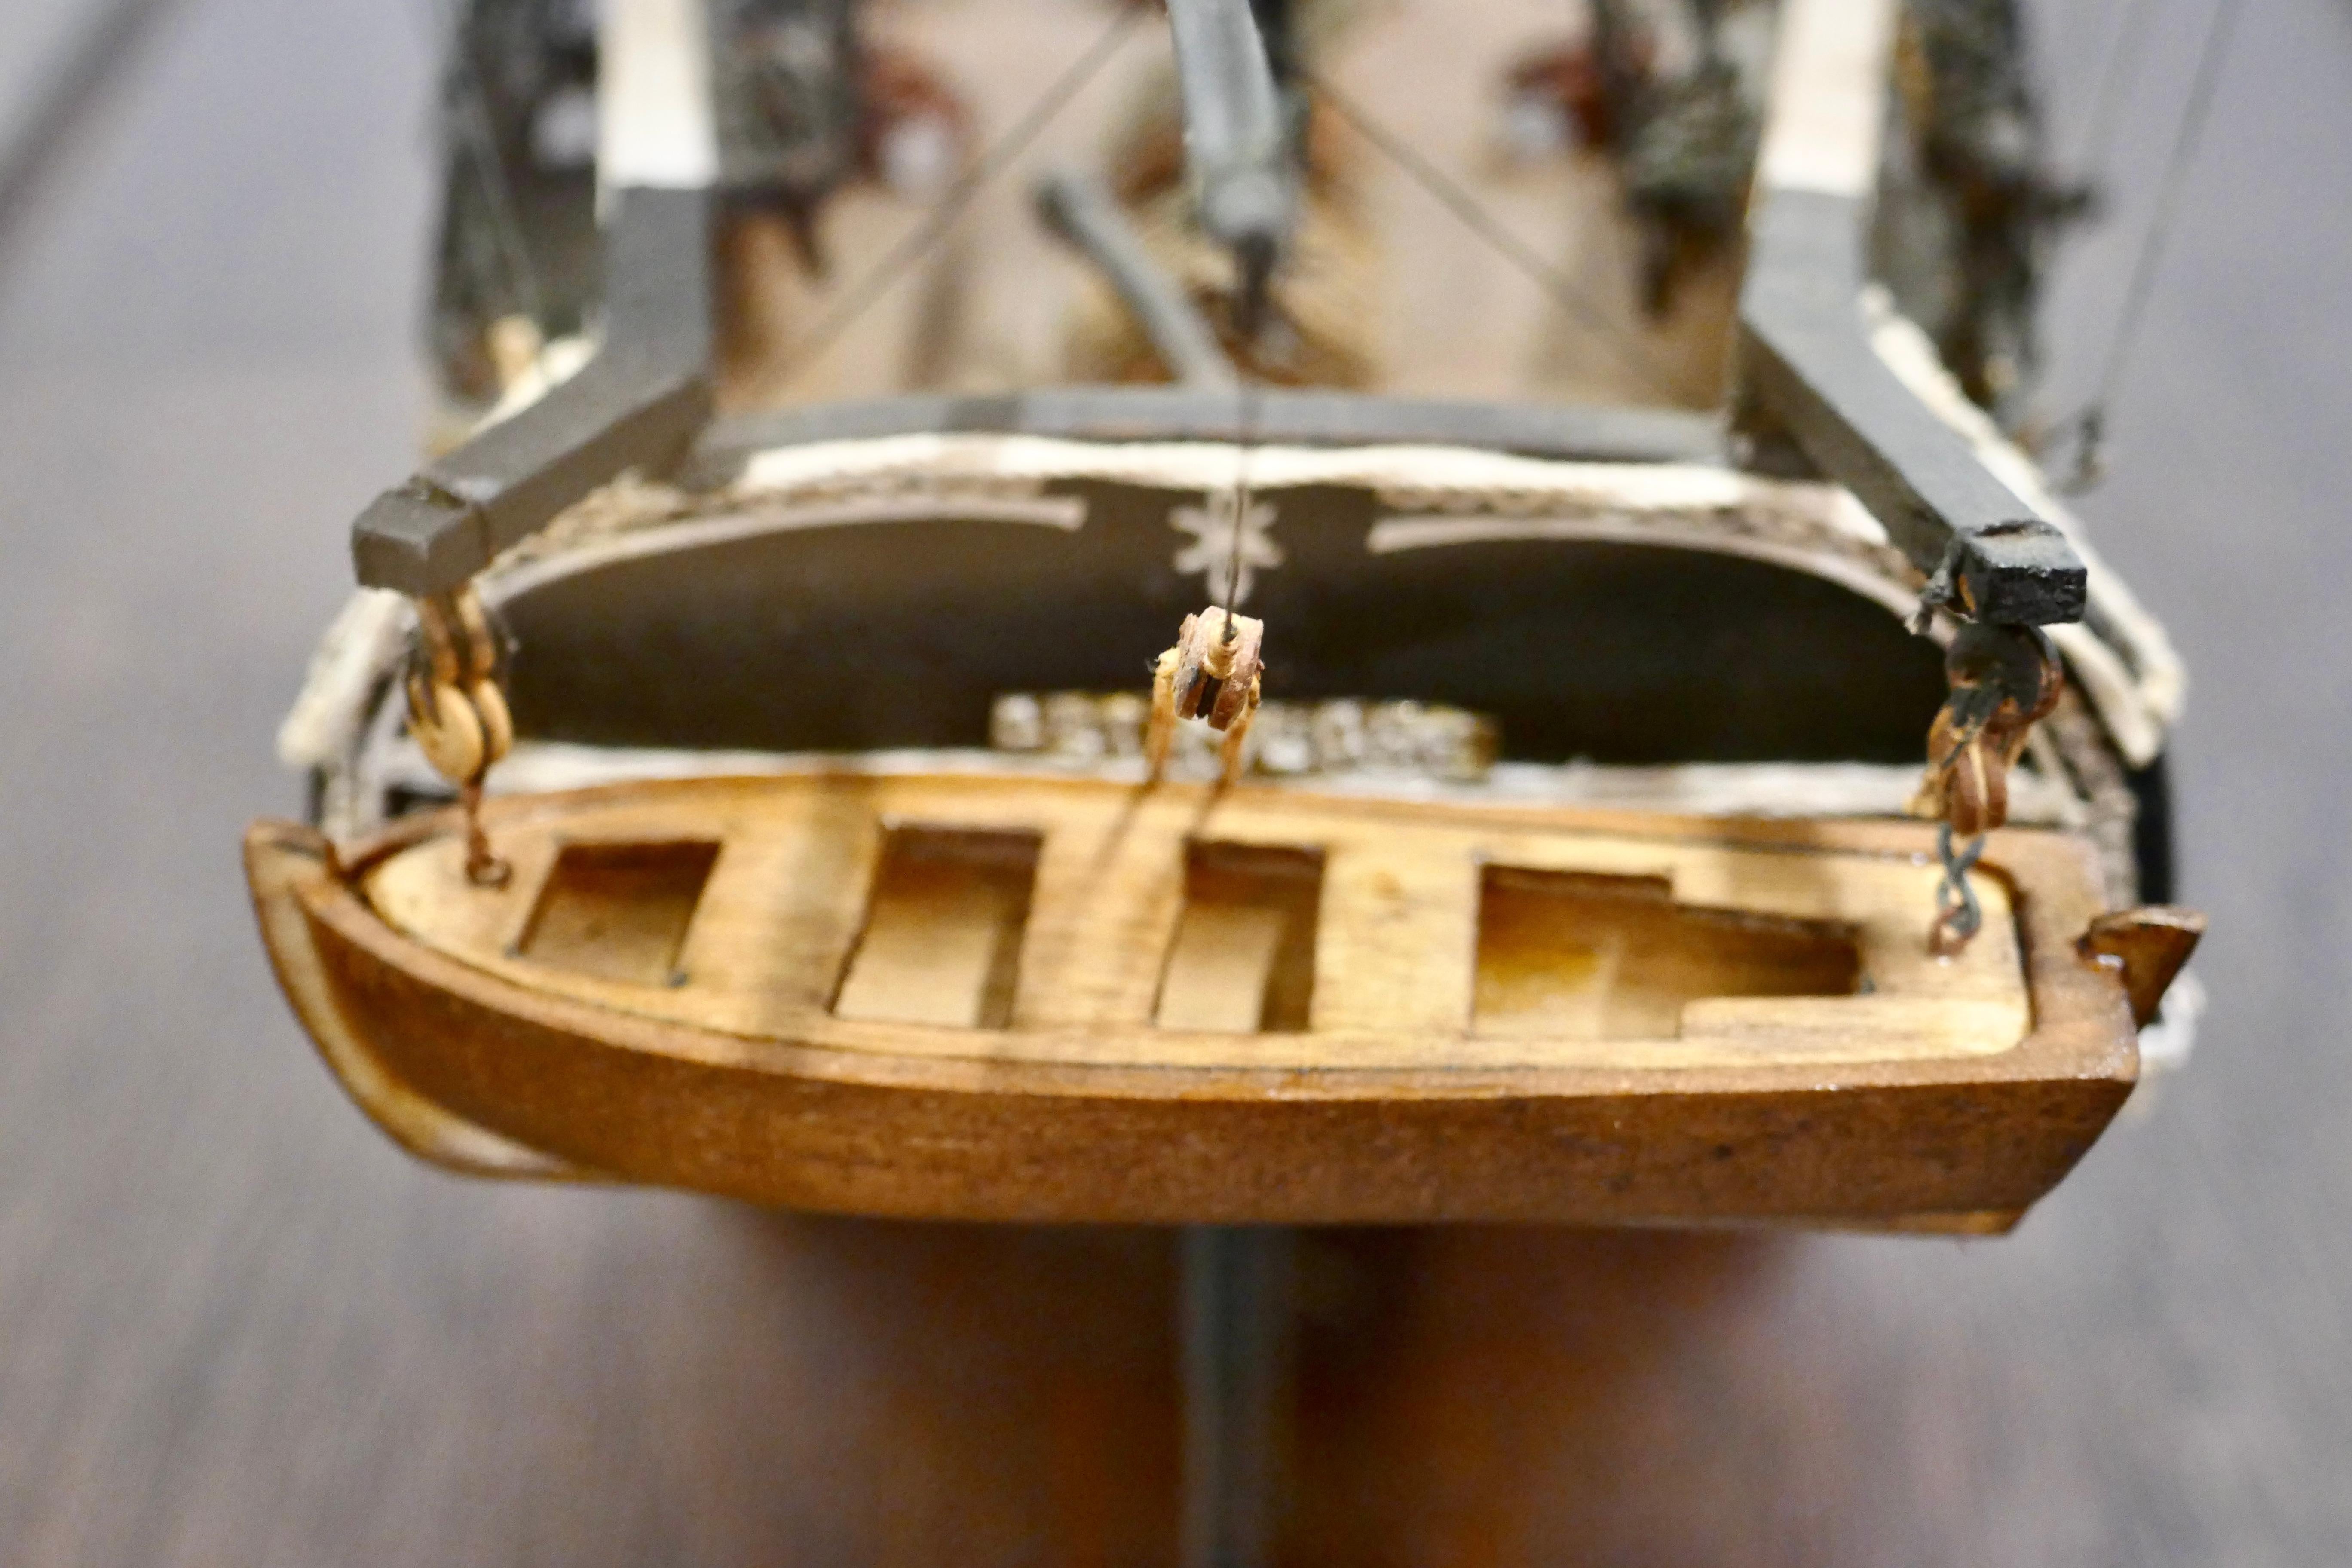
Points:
(1051, 611)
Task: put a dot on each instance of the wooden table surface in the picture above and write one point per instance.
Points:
(236, 1327)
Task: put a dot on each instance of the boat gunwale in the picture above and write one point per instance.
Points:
(2045, 954)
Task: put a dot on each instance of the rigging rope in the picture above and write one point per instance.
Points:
(2118, 74)
(1250, 401)
(1474, 215)
(480, 135)
(2089, 426)
(943, 217)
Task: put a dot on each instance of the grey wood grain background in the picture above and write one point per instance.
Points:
(236, 1327)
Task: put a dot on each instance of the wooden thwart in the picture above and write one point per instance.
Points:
(1616, 958)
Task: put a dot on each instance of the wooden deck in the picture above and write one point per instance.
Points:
(1444, 312)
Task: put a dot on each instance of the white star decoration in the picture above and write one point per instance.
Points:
(1210, 551)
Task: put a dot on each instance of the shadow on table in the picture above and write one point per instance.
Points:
(1466, 1396)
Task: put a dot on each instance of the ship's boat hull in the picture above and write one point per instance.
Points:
(1019, 998)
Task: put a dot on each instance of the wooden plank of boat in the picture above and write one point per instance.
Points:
(1020, 998)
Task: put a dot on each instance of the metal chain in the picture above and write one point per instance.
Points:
(1958, 916)
(2004, 679)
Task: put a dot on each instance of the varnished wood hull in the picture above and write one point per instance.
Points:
(467, 1066)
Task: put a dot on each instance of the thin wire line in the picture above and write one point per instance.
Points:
(944, 214)
(2090, 425)
(2117, 74)
(2193, 120)
(1249, 412)
(88, 65)
(1475, 216)
(481, 138)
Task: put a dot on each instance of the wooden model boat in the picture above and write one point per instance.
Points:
(1046, 999)
(821, 864)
